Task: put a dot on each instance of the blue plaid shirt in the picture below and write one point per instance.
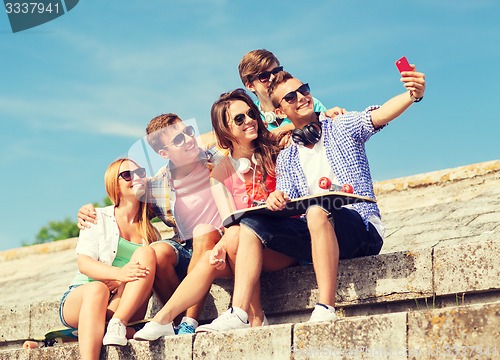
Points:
(344, 138)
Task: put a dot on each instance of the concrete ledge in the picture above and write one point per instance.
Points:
(15, 322)
(467, 268)
(273, 342)
(458, 333)
(17, 354)
(66, 351)
(46, 248)
(178, 347)
(378, 336)
(291, 293)
(372, 279)
(437, 177)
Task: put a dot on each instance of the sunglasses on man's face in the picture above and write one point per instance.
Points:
(240, 118)
(266, 75)
(291, 97)
(127, 175)
(180, 139)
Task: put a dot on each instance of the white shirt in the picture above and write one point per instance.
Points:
(100, 241)
(315, 165)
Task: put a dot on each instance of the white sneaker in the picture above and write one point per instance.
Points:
(321, 313)
(153, 330)
(227, 321)
(115, 333)
(264, 321)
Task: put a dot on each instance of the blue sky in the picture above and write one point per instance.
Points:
(77, 92)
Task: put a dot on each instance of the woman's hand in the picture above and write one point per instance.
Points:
(132, 271)
(112, 285)
(277, 200)
(218, 256)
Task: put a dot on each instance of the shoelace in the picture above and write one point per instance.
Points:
(226, 315)
(186, 327)
(116, 328)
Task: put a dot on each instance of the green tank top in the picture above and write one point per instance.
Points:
(124, 252)
(123, 255)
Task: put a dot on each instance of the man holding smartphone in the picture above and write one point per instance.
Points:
(321, 146)
(338, 146)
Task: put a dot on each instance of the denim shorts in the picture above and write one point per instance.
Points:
(63, 300)
(183, 253)
(290, 236)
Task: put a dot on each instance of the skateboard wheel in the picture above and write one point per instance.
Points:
(324, 183)
(348, 188)
(30, 345)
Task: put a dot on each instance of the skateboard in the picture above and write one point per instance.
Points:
(330, 200)
(59, 335)
(63, 335)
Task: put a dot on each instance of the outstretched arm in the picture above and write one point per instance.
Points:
(415, 84)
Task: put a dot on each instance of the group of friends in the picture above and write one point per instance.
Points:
(276, 149)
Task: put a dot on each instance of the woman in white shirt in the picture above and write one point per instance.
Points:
(116, 267)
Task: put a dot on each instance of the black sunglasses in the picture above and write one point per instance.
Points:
(179, 139)
(266, 75)
(240, 118)
(127, 175)
(291, 97)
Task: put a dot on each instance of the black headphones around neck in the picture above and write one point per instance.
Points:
(309, 134)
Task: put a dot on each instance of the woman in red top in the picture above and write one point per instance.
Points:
(244, 178)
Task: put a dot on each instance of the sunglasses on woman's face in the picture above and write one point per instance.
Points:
(266, 75)
(127, 175)
(180, 139)
(291, 97)
(240, 118)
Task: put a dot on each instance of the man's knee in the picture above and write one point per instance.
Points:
(165, 254)
(316, 217)
(145, 253)
(205, 237)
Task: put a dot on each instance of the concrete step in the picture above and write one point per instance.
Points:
(457, 332)
(436, 285)
(387, 283)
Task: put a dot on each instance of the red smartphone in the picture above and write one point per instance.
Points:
(403, 64)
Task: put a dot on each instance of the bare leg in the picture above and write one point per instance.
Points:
(232, 238)
(85, 309)
(249, 267)
(191, 290)
(166, 280)
(136, 293)
(271, 261)
(325, 254)
(204, 239)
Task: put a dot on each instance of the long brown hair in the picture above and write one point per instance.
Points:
(146, 229)
(266, 147)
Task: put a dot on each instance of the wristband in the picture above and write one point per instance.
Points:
(414, 99)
